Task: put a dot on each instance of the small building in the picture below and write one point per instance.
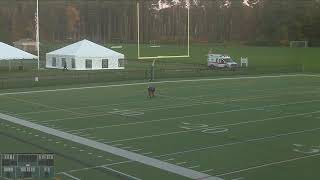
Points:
(27, 45)
(85, 55)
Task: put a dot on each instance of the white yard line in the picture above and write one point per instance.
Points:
(208, 170)
(205, 148)
(212, 126)
(195, 166)
(70, 176)
(169, 107)
(268, 164)
(179, 163)
(43, 105)
(240, 142)
(182, 171)
(121, 173)
(194, 115)
(161, 82)
(203, 102)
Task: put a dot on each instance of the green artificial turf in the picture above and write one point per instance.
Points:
(246, 128)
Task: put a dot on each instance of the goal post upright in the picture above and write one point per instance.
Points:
(188, 7)
(138, 25)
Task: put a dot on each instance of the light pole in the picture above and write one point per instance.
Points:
(37, 34)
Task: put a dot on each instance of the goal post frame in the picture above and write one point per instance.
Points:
(163, 57)
(306, 44)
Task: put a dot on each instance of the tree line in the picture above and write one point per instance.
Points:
(256, 22)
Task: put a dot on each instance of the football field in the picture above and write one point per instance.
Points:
(234, 128)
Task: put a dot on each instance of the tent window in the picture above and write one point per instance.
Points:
(54, 62)
(64, 63)
(73, 63)
(121, 62)
(105, 63)
(88, 63)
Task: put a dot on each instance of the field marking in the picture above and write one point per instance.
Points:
(194, 115)
(208, 170)
(160, 82)
(157, 108)
(121, 173)
(268, 164)
(241, 142)
(205, 148)
(139, 102)
(195, 166)
(165, 166)
(43, 105)
(136, 150)
(180, 163)
(171, 159)
(167, 107)
(70, 176)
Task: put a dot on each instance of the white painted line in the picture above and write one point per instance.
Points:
(241, 142)
(179, 163)
(40, 104)
(90, 153)
(70, 176)
(208, 170)
(195, 166)
(117, 144)
(146, 153)
(73, 147)
(171, 159)
(240, 178)
(81, 150)
(269, 164)
(164, 107)
(136, 150)
(100, 156)
(110, 149)
(195, 115)
(219, 126)
(160, 82)
(121, 173)
(127, 147)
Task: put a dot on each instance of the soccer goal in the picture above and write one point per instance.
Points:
(166, 31)
(298, 44)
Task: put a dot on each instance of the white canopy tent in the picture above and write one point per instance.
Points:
(85, 55)
(10, 53)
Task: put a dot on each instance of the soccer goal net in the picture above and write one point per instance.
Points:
(298, 44)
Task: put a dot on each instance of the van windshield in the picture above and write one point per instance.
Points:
(228, 60)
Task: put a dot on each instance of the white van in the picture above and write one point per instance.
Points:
(221, 61)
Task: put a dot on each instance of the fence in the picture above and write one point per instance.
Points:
(161, 71)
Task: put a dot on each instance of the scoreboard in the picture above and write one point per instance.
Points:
(20, 166)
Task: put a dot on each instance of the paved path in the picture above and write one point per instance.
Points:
(182, 171)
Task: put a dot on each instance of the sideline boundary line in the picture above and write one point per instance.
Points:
(160, 82)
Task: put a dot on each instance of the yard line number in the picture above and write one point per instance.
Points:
(204, 128)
